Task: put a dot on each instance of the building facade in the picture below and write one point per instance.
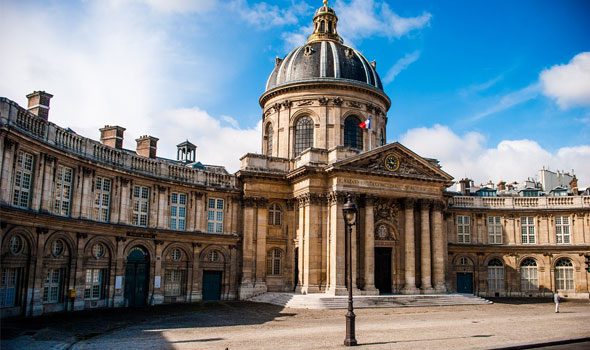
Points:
(88, 224)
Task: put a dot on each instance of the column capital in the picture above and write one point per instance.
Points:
(425, 204)
(409, 203)
(438, 205)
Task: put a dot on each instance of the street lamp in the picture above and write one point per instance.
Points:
(349, 211)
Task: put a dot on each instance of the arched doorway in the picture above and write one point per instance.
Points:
(137, 277)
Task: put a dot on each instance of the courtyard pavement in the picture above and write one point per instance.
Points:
(244, 325)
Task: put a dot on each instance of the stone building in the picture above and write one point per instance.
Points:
(89, 224)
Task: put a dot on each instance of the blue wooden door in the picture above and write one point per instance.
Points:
(212, 285)
(465, 282)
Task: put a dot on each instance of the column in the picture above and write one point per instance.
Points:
(438, 249)
(425, 248)
(369, 248)
(337, 246)
(410, 251)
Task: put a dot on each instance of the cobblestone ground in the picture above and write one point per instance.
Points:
(243, 325)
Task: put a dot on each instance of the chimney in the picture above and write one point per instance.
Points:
(147, 146)
(465, 187)
(39, 103)
(502, 186)
(112, 136)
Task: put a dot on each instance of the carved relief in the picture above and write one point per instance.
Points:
(324, 101)
(304, 103)
(386, 211)
(338, 101)
(354, 104)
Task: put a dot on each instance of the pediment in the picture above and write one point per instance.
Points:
(402, 162)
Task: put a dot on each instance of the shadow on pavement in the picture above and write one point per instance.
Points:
(84, 325)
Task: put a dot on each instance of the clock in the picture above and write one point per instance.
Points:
(392, 162)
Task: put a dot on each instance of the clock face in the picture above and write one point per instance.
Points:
(392, 162)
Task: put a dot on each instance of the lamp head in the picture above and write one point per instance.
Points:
(349, 210)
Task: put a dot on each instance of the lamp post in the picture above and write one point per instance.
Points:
(349, 211)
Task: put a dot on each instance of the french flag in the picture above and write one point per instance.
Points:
(366, 124)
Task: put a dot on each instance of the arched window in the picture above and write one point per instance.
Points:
(528, 275)
(353, 134)
(303, 134)
(495, 275)
(274, 215)
(564, 274)
(322, 27)
(274, 262)
(382, 137)
(269, 140)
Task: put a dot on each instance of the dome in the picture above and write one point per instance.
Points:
(324, 58)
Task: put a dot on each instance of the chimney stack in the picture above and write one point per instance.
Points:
(39, 103)
(147, 146)
(465, 187)
(502, 186)
(112, 136)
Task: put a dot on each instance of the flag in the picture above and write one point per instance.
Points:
(366, 124)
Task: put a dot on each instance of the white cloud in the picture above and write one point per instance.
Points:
(509, 100)
(401, 65)
(510, 160)
(216, 144)
(366, 18)
(296, 38)
(263, 15)
(115, 65)
(171, 6)
(569, 84)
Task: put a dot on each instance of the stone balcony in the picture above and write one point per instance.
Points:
(569, 202)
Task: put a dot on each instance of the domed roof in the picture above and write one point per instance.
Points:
(324, 58)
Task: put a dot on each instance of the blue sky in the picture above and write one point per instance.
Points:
(495, 90)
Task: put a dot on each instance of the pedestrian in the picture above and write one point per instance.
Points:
(556, 301)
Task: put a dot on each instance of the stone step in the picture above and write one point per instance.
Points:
(321, 301)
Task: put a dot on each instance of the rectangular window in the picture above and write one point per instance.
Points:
(52, 289)
(141, 201)
(178, 211)
(528, 278)
(102, 199)
(174, 281)
(63, 190)
(562, 229)
(494, 230)
(94, 284)
(527, 229)
(564, 278)
(8, 287)
(496, 278)
(22, 180)
(215, 215)
(463, 229)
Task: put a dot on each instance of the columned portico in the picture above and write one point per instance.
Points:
(425, 262)
(410, 251)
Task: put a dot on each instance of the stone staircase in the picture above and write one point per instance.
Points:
(323, 301)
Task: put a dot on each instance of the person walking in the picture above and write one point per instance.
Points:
(556, 301)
